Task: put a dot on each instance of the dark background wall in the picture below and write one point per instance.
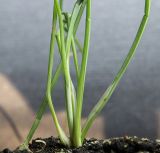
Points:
(25, 27)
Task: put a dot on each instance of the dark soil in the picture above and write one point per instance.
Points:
(114, 145)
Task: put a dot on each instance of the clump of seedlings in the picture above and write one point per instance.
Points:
(64, 33)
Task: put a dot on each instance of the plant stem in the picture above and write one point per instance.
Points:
(61, 4)
(106, 96)
(81, 81)
(67, 18)
(69, 41)
(66, 70)
(75, 58)
(73, 94)
(61, 133)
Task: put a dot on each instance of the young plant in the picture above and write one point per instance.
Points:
(64, 28)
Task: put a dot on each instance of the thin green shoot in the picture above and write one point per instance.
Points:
(106, 96)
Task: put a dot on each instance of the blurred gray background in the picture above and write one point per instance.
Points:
(25, 27)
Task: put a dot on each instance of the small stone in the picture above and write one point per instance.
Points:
(107, 141)
(145, 139)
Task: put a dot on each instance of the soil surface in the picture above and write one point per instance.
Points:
(113, 145)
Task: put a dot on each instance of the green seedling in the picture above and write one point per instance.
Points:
(64, 29)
